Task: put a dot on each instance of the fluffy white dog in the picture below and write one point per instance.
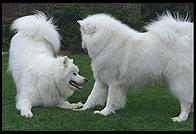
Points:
(123, 58)
(41, 78)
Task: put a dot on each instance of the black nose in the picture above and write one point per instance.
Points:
(85, 80)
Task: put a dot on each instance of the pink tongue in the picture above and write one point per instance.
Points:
(76, 85)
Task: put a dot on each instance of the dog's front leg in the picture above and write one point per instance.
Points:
(116, 99)
(24, 105)
(97, 96)
(67, 105)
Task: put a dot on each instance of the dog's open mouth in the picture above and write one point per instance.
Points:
(74, 84)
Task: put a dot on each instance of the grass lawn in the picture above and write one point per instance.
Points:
(147, 109)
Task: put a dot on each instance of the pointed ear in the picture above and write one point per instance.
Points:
(71, 60)
(65, 60)
(81, 23)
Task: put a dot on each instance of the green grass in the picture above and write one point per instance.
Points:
(147, 109)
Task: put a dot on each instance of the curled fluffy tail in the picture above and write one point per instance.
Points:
(39, 27)
(170, 28)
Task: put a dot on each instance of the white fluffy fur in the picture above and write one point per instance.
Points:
(41, 78)
(123, 58)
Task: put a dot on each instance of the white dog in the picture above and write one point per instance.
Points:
(40, 77)
(123, 58)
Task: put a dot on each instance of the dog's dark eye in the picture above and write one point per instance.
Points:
(74, 73)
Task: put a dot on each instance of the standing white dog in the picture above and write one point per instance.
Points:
(41, 78)
(124, 58)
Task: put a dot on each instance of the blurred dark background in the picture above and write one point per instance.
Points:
(136, 15)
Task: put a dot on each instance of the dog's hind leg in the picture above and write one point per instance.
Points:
(182, 88)
(116, 99)
(185, 109)
(24, 97)
(97, 96)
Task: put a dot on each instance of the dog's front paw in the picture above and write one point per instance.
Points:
(77, 105)
(178, 119)
(81, 109)
(26, 113)
(182, 117)
(103, 112)
(80, 105)
(100, 112)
